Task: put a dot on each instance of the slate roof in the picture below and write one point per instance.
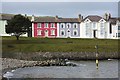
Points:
(9, 16)
(53, 19)
(6, 16)
(69, 20)
(45, 19)
(113, 20)
(93, 18)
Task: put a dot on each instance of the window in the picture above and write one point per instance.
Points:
(118, 34)
(75, 33)
(39, 32)
(68, 25)
(62, 33)
(39, 25)
(46, 25)
(62, 25)
(52, 25)
(75, 25)
(87, 29)
(87, 24)
(118, 27)
(102, 24)
(94, 25)
(52, 32)
(102, 31)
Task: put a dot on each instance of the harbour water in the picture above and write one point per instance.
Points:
(84, 69)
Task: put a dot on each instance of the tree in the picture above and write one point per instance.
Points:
(18, 25)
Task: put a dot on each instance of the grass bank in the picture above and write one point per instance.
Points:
(11, 47)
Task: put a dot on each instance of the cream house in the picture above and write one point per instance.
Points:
(94, 26)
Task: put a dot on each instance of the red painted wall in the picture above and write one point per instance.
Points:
(43, 30)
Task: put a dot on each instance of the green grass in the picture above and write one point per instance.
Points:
(10, 44)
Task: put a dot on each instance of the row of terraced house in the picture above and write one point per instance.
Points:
(92, 26)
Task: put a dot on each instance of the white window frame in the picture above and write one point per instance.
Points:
(94, 25)
(61, 32)
(69, 25)
(87, 28)
(52, 32)
(102, 28)
(39, 32)
(61, 25)
(39, 25)
(75, 24)
(76, 32)
(46, 25)
(52, 25)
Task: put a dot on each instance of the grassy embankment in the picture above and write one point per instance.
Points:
(10, 45)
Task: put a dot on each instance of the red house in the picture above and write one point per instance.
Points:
(44, 27)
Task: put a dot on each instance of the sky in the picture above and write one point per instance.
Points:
(62, 9)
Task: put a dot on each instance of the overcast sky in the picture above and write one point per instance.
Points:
(62, 9)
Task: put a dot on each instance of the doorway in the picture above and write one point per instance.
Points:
(94, 33)
(46, 33)
(68, 33)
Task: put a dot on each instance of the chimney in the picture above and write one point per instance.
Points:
(107, 16)
(56, 17)
(80, 17)
(33, 18)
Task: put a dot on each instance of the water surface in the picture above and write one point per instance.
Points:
(84, 69)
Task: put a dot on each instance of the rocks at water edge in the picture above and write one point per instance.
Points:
(15, 63)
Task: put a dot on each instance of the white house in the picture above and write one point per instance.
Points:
(115, 28)
(94, 26)
(3, 22)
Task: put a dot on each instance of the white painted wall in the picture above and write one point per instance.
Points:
(106, 30)
(2, 29)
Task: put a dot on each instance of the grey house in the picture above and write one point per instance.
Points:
(69, 27)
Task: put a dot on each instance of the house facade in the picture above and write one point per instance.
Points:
(53, 27)
(69, 27)
(94, 26)
(44, 27)
(115, 28)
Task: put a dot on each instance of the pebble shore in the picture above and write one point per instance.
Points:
(8, 64)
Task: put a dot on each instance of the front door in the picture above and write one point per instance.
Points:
(68, 33)
(46, 33)
(94, 33)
